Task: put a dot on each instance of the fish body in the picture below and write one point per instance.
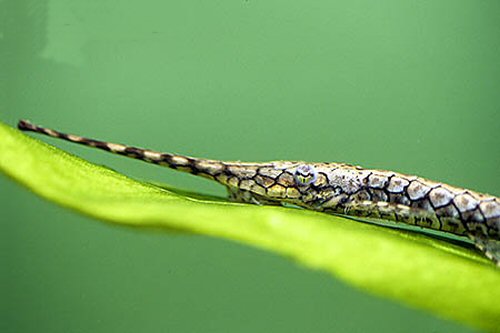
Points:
(336, 188)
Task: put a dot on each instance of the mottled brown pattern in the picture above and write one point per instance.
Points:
(336, 188)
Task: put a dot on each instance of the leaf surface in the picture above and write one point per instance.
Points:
(444, 278)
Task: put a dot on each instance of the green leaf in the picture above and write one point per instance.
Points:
(446, 279)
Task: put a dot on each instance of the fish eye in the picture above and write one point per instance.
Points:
(305, 174)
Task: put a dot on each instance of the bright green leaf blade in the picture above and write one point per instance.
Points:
(443, 278)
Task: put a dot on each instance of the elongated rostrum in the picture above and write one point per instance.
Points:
(336, 188)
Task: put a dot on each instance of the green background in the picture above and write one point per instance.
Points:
(411, 86)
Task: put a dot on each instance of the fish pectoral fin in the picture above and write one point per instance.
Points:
(243, 196)
(490, 247)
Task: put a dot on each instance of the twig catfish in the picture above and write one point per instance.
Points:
(335, 188)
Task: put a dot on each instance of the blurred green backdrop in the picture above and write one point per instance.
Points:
(411, 86)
